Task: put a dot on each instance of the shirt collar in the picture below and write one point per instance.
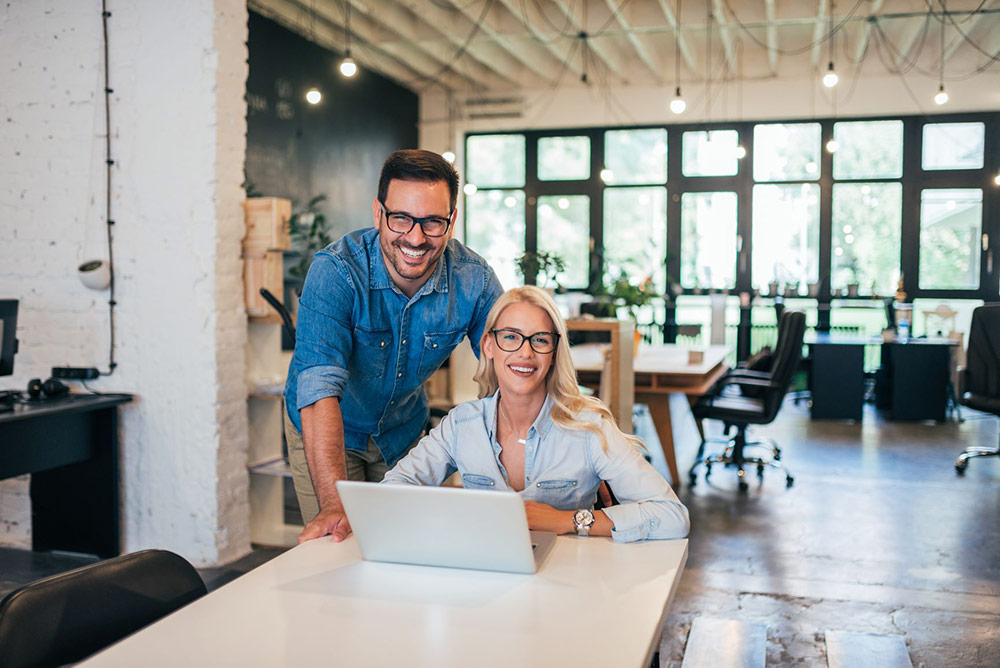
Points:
(378, 273)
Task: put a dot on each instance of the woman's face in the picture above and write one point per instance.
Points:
(523, 371)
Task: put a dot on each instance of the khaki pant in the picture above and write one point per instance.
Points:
(368, 465)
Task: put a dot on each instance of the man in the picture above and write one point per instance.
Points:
(381, 309)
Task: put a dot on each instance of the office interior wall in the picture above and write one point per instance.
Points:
(178, 71)
(336, 148)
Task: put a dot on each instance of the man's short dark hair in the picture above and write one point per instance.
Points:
(418, 165)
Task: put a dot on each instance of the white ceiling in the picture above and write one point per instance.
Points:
(490, 47)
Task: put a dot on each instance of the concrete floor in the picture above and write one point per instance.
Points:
(878, 535)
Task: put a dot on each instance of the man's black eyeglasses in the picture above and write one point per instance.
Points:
(511, 340)
(402, 223)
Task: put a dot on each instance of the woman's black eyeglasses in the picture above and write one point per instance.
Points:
(511, 340)
(402, 223)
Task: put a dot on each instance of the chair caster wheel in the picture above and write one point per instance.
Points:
(692, 480)
(743, 486)
(960, 468)
(789, 481)
(760, 471)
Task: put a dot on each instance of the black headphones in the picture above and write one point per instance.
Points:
(51, 388)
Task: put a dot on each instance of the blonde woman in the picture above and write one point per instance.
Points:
(533, 432)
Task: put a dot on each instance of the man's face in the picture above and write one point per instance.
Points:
(410, 257)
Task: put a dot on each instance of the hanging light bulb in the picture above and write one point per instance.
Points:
(313, 96)
(833, 146)
(348, 67)
(830, 79)
(449, 156)
(678, 105)
(996, 179)
(941, 96)
(740, 152)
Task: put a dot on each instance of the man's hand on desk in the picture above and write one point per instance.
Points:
(331, 522)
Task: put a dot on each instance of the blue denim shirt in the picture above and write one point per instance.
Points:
(361, 339)
(562, 468)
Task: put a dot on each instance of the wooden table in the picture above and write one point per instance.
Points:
(594, 602)
(659, 372)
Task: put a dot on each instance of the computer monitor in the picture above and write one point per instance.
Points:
(8, 341)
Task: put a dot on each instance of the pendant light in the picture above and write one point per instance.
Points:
(942, 96)
(348, 67)
(830, 79)
(677, 105)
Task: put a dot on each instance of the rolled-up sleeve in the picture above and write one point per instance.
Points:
(430, 461)
(323, 340)
(648, 507)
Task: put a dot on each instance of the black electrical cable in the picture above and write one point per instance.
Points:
(109, 162)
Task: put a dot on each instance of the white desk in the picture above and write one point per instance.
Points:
(594, 603)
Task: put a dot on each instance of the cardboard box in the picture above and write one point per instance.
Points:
(266, 225)
(264, 270)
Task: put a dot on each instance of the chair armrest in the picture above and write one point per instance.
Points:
(744, 380)
(749, 373)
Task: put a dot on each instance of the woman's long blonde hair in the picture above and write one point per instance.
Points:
(567, 401)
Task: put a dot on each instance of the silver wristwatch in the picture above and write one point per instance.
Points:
(583, 520)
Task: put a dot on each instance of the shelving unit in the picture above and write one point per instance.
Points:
(267, 366)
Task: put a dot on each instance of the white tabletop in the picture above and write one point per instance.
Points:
(668, 358)
(593, 603)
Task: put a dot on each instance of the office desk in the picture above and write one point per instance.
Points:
(70, 446)
(661, 371)
(593, 603)
(836, 376)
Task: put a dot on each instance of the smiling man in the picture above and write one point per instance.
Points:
(381, 309)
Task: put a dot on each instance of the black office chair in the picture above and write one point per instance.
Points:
(980, 380)
(67, 617)
(740, 411)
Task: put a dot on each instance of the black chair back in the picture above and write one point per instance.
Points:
(982, 372)
(67, 617)
(787, 353)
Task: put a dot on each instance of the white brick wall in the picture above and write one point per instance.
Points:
(178, 123)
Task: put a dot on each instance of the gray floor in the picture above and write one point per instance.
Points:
(878, 535)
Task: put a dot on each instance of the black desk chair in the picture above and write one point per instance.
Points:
(980, 380)
(67, 617)
(740, 411)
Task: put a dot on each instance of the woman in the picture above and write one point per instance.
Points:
(533, 432)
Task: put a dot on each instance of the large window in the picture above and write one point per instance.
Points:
(950, 238)
(772, 207)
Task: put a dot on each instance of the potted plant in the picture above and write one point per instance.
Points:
(542, 267)
(309, 234)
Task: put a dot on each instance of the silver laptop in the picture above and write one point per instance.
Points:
(443, 526)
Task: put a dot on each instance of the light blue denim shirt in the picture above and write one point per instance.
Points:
(562, 468)
(361, 339)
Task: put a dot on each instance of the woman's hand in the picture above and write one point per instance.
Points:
(543, 517)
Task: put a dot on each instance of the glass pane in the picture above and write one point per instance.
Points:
(494, 228)
(786, 236)
(953, 145)
(868, 150)
(786, 152)
(708, 240)
(495, 161)
(710, 153)
(951, 223)
(636, 156)
(866, 236)
(563, 158)
(564, 229)
(635, 233)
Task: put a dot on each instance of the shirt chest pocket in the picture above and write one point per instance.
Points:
(559, 493)
(476, 481)
(437, 347)
(371, 352)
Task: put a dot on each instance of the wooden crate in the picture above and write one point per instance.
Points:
(263, 270)
(266, 225)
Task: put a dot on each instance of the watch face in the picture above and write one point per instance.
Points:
(583, 518)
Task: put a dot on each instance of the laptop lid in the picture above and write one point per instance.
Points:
(443, 526)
